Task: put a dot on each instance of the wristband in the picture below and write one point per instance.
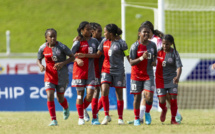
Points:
(141, 58)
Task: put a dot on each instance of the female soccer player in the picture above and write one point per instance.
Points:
(84, 77)
(142, 59)
(168, 71)
(156, 37)
(56, 71)
(113, 73)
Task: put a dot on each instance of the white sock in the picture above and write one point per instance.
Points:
(178, 114)
(142, 111)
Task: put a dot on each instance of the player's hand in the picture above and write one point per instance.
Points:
(42, 68)
(58, 66)
(80, 62)
(145, 55)
(80, 55)
(153, 64)
(175, 80)
(213, 66)
(77, 38)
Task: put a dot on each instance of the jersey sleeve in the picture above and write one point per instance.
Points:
(124, 47)
(67, 51)
(133, 52)
(75, 47)
(100, 47)
(178, 60)
(40, 52)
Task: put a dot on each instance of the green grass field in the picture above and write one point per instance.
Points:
(28, 20)
(194, 122)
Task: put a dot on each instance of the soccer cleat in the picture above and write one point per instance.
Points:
(81, 121)
(95, 121)
(141, 121)
(137, 122)
(86, 116)
(66, 113)
(120, 122)
(178, 118)
(106, 120)
(174, 122)
(130, 122)
(163, 115)
(53, 123)
(148, 119)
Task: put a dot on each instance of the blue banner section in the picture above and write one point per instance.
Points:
(27, 93)
(203, 71)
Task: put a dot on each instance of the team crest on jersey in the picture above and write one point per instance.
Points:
(115, 48)
(170, 60)
(119, 83)
(174, 90)
(152, 50)
(93, 45)
(61, 89)
(58, 52)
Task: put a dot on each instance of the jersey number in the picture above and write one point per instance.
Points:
(90, 50)
(134, 87)
(164, 63)
(109, 52)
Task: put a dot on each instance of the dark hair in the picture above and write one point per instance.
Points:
(140, 29)
(81, 27)
(50, 29)
(155, 32)
(169, 37)
(94, 25)
(113, 28)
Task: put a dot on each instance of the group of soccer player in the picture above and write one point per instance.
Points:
(99, 65)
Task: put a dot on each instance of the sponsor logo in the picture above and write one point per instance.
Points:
(106, 46)
(140, 52)
(48, 54)
(84, 45)
(159, 57)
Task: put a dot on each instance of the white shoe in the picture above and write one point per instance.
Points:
(86, 116)
(106, 120)
(81, 122)
(120, 122)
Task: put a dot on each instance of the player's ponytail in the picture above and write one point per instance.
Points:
(81, 27)
(113, 28)
(169, 37)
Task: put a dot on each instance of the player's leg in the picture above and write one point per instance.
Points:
(142, 107)
(94, 105)
(136, 105)
(62, 100)
(120, 105)
(79, 104)
(173, 104)
(105, 102)
(50, 89)
(178, 116)
(87, 101)
(149, 91)
(161, 92)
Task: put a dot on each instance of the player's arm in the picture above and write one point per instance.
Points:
(213, 66)
(176, 79)
(95, 55)
(39, 63)
(138, 60)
